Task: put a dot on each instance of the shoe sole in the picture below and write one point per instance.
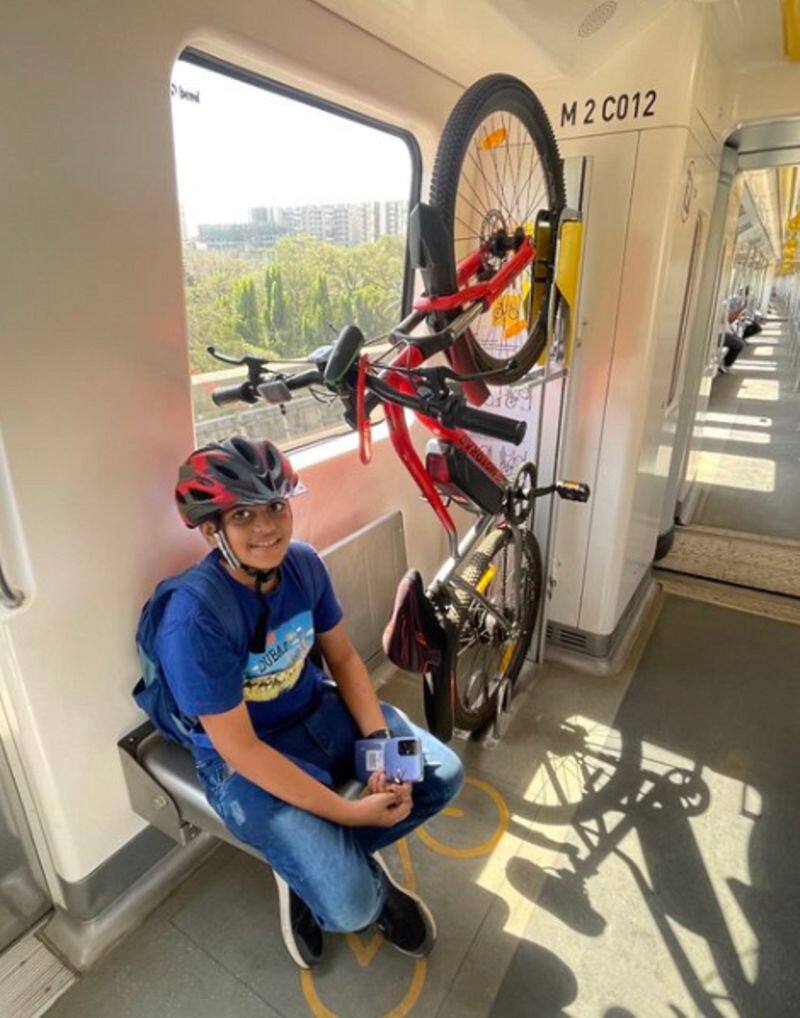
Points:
(422, 906)
(285, 909)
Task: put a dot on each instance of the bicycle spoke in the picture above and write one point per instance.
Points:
(507, 148)
(489, 191)
(536, 199)
(493, 150)
(474, 190)
(463, 197)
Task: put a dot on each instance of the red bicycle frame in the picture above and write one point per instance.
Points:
(487, 292)
(411, 357)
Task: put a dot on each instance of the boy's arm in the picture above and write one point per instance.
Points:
(233, 736)
(352, 678)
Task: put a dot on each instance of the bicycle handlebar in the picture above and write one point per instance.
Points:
(506, 429)
(448, 408)
(249, 392)
(303, 378)
(451, 411)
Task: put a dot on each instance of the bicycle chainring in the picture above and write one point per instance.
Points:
(520, 495)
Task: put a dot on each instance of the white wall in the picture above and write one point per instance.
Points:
(619, 432)
(94, 388)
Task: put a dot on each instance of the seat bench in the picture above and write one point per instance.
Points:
(162, 782)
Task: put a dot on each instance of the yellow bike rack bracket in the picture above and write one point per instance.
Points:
(569, 253)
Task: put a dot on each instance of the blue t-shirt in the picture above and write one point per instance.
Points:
(210, 673)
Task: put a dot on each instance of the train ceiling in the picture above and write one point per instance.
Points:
(467, 38)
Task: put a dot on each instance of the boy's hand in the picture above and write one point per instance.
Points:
(381, 809)
(377, 783)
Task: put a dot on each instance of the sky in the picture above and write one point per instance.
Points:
(243, 146)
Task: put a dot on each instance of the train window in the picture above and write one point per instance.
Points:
(293, 219)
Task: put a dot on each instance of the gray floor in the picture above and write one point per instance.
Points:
(751, 457)
(630, 848)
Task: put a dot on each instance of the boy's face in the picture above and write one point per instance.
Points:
(259, 535)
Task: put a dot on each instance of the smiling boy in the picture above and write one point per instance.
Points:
(271, 735)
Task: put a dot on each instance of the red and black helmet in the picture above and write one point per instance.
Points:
(236, 471)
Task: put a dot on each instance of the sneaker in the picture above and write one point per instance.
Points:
(405, 921)
(301, 931)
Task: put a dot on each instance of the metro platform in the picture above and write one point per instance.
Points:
(630, 848)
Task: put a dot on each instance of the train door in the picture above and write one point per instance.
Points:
(735, 499)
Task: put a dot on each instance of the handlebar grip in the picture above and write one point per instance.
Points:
(506, 429)
(241, 393)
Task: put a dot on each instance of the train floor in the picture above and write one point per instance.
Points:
(751, 456)
(630, 848)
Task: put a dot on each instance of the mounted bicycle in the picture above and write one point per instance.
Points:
(484, 247)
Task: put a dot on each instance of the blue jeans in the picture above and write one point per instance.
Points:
(329, 866)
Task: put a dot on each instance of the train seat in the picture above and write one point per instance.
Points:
(162, 782)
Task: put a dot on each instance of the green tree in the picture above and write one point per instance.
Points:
(304, 284)
(247, 319)
(274, 307)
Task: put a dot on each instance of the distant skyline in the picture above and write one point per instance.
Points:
(243, 147)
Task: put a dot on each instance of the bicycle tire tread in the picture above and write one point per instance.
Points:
(456, 135)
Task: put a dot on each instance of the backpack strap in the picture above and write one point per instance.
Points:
(152, 692)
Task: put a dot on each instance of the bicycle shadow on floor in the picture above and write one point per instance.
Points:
(646, 810)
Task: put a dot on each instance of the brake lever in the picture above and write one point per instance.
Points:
(442, 373)
(246, 360)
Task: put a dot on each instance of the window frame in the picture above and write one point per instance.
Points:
(249, 77)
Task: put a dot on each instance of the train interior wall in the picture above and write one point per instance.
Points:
(95, 388)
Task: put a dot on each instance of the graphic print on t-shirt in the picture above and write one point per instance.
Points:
(277, 668)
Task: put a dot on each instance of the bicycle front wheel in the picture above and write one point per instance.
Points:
(496, 168)
(492, 645)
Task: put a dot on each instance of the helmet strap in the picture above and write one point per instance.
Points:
(261, 576)
(224, 546)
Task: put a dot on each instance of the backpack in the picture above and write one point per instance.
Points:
(152, 692)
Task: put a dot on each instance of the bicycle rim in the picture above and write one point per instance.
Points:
(496, 168)
(490, 653)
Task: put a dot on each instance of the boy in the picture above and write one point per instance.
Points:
(271, 734)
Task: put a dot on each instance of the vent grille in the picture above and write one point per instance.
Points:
(597, 18)
(566, 637)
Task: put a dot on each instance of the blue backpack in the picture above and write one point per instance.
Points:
(152, 692)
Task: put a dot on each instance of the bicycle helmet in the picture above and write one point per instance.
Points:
(236, 471)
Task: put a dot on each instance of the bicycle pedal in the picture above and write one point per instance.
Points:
(573, 491)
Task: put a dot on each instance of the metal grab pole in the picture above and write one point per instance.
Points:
(9, 597)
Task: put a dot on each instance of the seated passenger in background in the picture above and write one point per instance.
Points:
(733, 347)
(270, 734)
(733, 344)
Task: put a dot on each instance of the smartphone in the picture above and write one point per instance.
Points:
(400, 757)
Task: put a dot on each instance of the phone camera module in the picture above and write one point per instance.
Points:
(407, 747)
